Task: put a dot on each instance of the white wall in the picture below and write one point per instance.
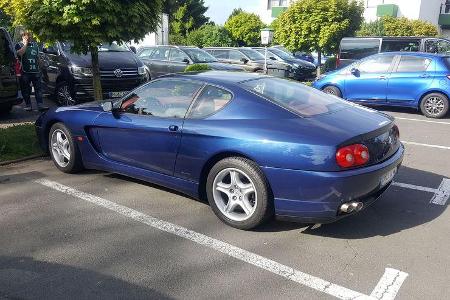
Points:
(160, 37)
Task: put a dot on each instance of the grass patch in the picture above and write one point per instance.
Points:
(18, 142)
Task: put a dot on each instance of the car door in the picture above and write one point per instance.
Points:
(146, 131)
(411, 76)
(51, 65)
(368, 80)
(178, 60)
(158, 62)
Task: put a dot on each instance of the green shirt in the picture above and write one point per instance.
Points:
(30, 59)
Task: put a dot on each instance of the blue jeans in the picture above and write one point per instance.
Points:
(35, 79)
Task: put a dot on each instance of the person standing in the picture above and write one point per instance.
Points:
(28, 52)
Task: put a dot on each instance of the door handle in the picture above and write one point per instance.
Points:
(382, 77)
(424, 76)
(173, 128)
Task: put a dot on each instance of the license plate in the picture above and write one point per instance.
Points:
(388, 177)
(117, 94)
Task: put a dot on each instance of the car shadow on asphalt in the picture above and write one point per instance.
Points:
(27, 278)
(396, 210)
(406, 110)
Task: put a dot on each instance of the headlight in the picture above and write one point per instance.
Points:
(141, 70)
(81, 71)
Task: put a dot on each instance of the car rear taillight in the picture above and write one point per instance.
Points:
(352, 156)
(396, 131)
(338, 61)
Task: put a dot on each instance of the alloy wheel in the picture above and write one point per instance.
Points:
(434, 106)
(60, 148)
(235, 194)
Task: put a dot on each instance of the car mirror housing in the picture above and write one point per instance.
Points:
(244, 60)
(133, 49)
(108, 106)
(272, 58)
(186, 61)
(354, 71)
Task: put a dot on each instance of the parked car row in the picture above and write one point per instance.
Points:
(162, 60)
(8, 82)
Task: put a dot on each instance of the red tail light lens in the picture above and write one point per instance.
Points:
(396, 131)
(352, 156)
(338, 61)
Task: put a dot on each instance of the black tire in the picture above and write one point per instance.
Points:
(264, 205)
(64, 95)
(332, 90)
(75, 163)
(434, 105)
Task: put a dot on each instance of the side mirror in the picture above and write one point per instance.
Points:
(108, 106)
(354, 72)
(186, 61)
(272, 58)
(133, 49)
(244, 60)
(50, 51)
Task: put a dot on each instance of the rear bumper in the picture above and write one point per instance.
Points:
(315, 197)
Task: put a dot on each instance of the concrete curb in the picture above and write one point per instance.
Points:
(8, 125)
(8, 162)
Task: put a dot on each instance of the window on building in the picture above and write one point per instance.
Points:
(277, 3)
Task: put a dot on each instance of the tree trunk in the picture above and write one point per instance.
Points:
(319, 62)
(98, 94)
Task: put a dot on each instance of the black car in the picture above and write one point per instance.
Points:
(300, 69)
(8, 81)
(353, 49)
(162, 60)
(68, 75)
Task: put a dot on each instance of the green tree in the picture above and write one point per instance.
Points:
(318, 25)
(5, 20)
(235, 12)
(184, 16)
(210, 36)
(390, 26)
(245, 29)
(86, 23)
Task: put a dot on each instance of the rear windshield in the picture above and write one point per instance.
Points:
(358, 48)
(295, 96)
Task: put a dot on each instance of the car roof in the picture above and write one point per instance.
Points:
(218, 77)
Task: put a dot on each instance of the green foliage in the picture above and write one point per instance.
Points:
(390, 26)
(209, 36)
(86, 23)
(5, 20)
(184, 16)
(330, 64)
(235, 12)
(18, 142)
(197, 68)
(318, 25)
(245, 29)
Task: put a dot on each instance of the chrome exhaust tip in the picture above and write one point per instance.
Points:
(350, 207)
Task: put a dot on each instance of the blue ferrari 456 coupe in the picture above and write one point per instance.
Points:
(255, 146)
(407, 79)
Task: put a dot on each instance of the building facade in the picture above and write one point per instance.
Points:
(436, 12)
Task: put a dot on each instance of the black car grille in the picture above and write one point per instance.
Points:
(120, 73)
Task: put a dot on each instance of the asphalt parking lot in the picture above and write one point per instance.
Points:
(105, 236)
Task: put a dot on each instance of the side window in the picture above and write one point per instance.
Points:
(236, 55)
(413, 64)
(377, 64)
(358, 48)
(209, 101)
(146, 53)
(437, 46)
(177, 55)
(169, 98)
(160, 53)
(221, 54)
(400, 45)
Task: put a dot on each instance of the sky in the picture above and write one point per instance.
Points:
(219, 10)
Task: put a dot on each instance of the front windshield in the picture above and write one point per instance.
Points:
(281, 54)
(295, 96)
(104, 47)
(252, 54)
(199, 55)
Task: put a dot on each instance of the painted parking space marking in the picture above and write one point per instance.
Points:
(440, 195)
(386, 289)
(424, 121)
(426, 145)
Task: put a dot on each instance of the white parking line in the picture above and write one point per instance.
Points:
(426, 145)
(386, 288)
(441, 194)
(425, 121)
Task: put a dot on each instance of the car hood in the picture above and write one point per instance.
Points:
(301, 63)
(107, 60)
(223, 67)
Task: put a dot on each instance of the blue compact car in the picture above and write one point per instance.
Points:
(255, 146)
(417, 80)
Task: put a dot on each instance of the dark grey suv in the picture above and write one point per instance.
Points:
(162, 60)
(8, 81)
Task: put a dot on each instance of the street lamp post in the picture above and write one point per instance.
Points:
(266, 39)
